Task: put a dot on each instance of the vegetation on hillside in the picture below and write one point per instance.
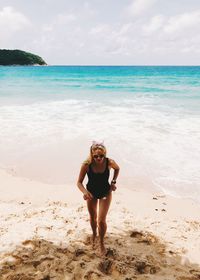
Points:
(18, 57)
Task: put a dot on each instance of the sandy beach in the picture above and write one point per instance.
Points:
(90, 90)
(45, 234)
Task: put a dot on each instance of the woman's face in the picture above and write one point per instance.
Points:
(98, 155)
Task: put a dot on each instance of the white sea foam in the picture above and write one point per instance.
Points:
(151, 140)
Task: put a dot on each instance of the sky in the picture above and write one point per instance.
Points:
(104, 32)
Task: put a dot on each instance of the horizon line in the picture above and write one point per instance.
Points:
(124, 65)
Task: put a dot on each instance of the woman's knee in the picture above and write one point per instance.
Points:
(93, 218)
(101, 222)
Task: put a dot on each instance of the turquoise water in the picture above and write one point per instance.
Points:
(149, 118)
(62, 80)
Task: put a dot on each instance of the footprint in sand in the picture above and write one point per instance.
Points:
(29, 244)
(136, 234)
(111, 252)
(118, 242)
(105, 266)
(145, 268)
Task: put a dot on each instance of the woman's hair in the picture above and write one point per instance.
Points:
(93, 148)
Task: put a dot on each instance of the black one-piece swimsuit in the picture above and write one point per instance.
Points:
(98, 184)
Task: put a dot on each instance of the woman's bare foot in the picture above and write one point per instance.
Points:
(102, 249)
(94, 241)
(91, 240)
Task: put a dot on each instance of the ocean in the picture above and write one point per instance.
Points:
(147, 116)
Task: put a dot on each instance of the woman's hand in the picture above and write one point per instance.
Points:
(113, 187)
(87, 195)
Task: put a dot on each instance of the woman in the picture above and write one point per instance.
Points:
(98, 190)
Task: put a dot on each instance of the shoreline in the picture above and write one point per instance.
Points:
(138, 184)
(9, 174)
(32, 211)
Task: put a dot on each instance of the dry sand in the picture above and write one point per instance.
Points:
(45, 234)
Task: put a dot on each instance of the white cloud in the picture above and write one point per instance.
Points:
(182, 22)
(176, 34)
(135, 40)
(55, 34)
(11, 20)
(100, 29)
(138, 7)
(82, 34)
(154, 25)
(125, 28)
(88, 10)
(65, 18)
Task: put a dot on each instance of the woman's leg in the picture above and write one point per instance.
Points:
(104, 204)
(92, 209)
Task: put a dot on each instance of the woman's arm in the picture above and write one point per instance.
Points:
(116, 168)
(86, 193)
